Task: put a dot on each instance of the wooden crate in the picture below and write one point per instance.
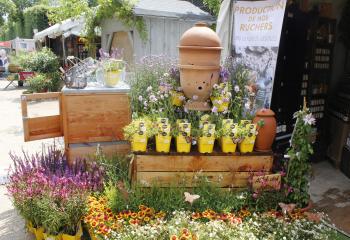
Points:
(95, 117)
(88, 150)
(179, 169)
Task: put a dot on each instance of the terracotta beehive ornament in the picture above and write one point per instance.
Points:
(266, 129)
(199, 57)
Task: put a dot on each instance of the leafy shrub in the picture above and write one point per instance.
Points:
(38, 83)
(43, 61)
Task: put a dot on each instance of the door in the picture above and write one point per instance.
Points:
(36, 128)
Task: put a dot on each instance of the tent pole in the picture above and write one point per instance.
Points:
(63, 50)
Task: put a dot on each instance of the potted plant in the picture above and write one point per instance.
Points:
(248, 135)
(183, 136)
(38, 83)
(206, 139)
(177, 98)
(163, 137)
(138, 132)
(228, 136)
(113, 66)
(221, 96)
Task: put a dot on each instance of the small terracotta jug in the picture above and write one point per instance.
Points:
(267, 129)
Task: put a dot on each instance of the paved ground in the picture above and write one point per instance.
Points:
(330, 189)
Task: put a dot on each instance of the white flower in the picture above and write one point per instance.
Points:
(182, 98)
(149, 89)
(195, 97)
(162, 96)
(247, 105)
(153, 98)
(166, 74)
(236, 88)
(166, 95)
(309, 119)
(145, 103)
(219, 102)
(140, 98)
(215, 86)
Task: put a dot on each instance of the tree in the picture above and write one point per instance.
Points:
(68, 9)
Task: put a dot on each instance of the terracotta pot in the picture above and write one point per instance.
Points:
(308, 207)
(197, 83)
(267, 132)
(195, 55)
(200, 35)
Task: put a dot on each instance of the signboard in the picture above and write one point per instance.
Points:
(256, 35)
(267, 182)
(6, 44)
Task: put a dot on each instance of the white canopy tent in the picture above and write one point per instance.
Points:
(71, 26)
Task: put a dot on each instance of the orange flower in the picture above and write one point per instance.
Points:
(174, 237)
(141, 215)
(134, 215)
(142, 207)
(196, 215)
(134, 221)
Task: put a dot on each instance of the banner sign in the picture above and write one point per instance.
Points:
(256, 35)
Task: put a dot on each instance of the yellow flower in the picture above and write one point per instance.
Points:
(146, 219)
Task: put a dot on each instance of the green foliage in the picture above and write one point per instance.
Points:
(68, 9)
(213, 5)
(43, 61)
(35, 18)
(298, 169)
(120, 9)
(172, 198)
(38, 83)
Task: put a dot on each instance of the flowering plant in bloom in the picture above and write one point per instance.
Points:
(181, 225)
(298, 166)
(103, 222)
(48, 192)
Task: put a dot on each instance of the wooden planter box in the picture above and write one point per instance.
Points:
(87, 118)
(228, 171)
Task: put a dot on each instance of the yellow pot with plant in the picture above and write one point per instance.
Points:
(247, 145)
(39, 233)
(92, 234)
(228, 133)
(207, 139)
(138, 132)
(114, 70)
(177, 98)
(30, 227)
(48, 236)
(220, 96)
(77, 236)
(163, 138)
(183, 138)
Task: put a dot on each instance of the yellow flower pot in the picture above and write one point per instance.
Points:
(227, 145)
(39, 233)
(30, 227)
(92, 235)
(206, 144)
(139, 143)
(176, 98)
(163, 143)
(113, 77)
(77, 236)
(221, 107)
(247, 145)
(182, 146)
(52, 237)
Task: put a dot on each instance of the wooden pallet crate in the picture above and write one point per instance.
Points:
(227, 170)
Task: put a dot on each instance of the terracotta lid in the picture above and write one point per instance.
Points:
(200, 35)
(264, 112)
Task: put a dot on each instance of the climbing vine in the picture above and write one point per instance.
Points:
(298, 166)
(120, 9)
